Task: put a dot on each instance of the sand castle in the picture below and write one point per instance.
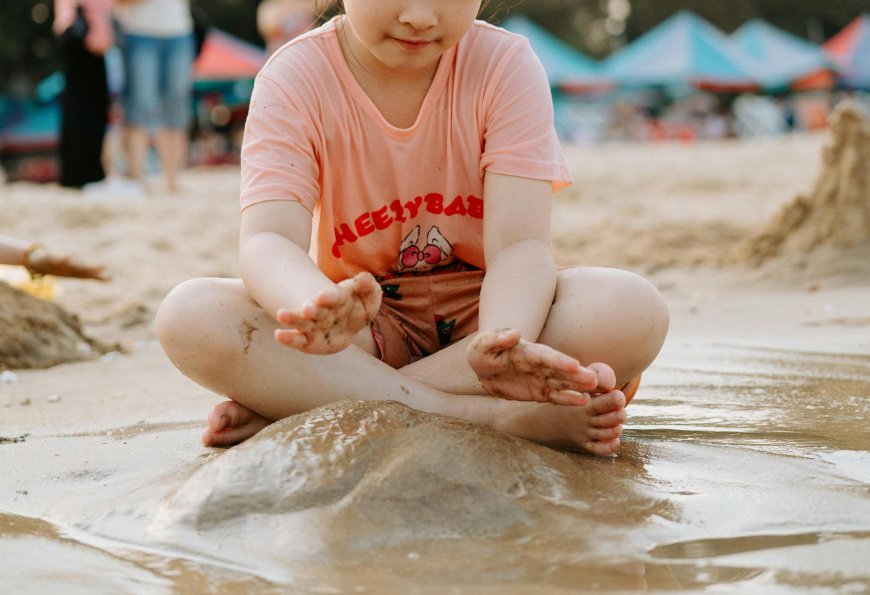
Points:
(836, 213)
(35, 333)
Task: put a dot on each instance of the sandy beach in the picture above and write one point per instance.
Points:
(745, 464)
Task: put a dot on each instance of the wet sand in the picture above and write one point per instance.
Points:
(745, 465)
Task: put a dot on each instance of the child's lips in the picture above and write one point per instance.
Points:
(412, 44)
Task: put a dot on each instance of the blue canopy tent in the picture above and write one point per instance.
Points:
(683, 51)
(850, 51)
(573, 77)
(784, 61)
(567, 68)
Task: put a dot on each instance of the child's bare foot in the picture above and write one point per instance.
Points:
(329, 322)
(230, 423)
(508, 366)
(594, 427)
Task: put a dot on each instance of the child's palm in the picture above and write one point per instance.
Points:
(329, 322)
(512, 368)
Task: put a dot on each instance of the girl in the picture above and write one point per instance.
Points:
(397, 174)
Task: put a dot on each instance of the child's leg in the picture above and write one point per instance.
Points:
(215, 334)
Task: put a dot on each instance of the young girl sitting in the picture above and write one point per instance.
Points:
(397, 177)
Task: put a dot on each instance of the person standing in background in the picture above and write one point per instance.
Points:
(159, 49)
(84, 32)
(279, 21)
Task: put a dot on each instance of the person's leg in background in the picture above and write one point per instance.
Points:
(176, 87)
(141, 100)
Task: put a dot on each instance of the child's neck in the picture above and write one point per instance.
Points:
(398, 95)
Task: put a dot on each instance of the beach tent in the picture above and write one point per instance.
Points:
(784, 61)
(29, 134)
(684, 50)
(30, 127)
(226, 58)
(566, 67)
(849, 50)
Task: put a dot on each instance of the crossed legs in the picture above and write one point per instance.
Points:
(598, 315)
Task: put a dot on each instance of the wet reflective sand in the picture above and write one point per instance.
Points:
(742, 469)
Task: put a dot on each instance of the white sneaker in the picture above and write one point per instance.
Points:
(114, 189)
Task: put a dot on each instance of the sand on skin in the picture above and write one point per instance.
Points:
(126, 428)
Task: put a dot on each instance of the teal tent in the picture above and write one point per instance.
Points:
(566, 67)
(784, 61)
(683, 51)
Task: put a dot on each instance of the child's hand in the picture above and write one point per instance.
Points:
(513, 368)
(42, 262)
(329, 322)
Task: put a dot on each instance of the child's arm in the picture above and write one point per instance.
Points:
(39, 261)
(323, 317)
(520, 280)
(517, 293)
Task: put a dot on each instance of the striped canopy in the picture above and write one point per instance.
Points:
(566, 67)
(784, 60)
(684, 50)
(849, 50)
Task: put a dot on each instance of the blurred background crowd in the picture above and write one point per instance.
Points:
(620, 70)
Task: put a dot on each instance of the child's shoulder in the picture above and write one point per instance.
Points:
(486, 45)
(486, 36)
(487, 51)
(307, 53)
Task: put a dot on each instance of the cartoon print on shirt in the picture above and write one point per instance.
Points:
(437, 252)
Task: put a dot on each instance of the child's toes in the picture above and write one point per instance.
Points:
(609, 419)
(608, 402)
(603, 448)
(606, 376)
(605, 434)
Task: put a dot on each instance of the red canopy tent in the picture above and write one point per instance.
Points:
(850, 51)
(227, 58)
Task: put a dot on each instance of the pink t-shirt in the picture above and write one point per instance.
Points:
(389, 200)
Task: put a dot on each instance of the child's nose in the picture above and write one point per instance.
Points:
(419, 14)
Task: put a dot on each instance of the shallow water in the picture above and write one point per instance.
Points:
(742, 469)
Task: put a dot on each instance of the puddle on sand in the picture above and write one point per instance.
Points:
(742, 469)
(39, 557)
(779, 401)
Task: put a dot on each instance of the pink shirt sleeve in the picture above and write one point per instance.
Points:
(280, 148)
(520, 137)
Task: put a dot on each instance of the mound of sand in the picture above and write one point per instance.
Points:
(35, 333)
(836, 213)
(355, 476)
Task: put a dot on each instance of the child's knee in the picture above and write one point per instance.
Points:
(179, 322)
(609, 315)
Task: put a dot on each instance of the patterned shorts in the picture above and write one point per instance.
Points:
(422, 313)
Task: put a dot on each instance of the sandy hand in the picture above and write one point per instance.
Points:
(510, 367)
(329, 322)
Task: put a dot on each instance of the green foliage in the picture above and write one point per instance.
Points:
(27, 48)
